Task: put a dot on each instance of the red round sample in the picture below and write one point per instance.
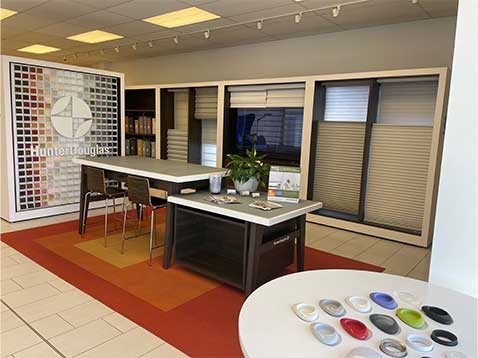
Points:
(355, 328)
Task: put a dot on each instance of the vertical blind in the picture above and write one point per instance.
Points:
(346, 103)
(267, 96)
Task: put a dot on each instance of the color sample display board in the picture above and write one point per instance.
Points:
(284, 184)
(58, 114)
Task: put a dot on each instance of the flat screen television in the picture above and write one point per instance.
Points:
(272, 130)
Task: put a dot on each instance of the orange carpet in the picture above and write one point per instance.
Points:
(195, 314)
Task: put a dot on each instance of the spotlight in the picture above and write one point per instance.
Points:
(176, 40)
(134, 46)
(260, 24)
(298, 17)
(117, 49)
(336, 11)
(150, 44)
(207, 34)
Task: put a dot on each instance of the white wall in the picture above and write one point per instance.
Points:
(417, 44)
(454, 262)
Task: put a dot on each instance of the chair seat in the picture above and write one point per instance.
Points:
(158, 202)
(113, 192)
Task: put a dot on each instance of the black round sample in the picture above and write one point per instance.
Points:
(445, 338)
(385, 323)
(437, 314)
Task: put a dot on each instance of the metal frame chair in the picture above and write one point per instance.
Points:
(96, 185)
(138, 193)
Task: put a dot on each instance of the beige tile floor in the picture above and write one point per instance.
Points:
(43, 316)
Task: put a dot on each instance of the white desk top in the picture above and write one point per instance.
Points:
(243, 212)
(167, 170)
(269, 328)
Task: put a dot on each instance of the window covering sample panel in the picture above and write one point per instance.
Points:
(409, 103)
(397, 177)
(181, 109)
(208, 143)
(178, 144)
(59, 114)
(268, 96)
(206, 103)
(346, 103)
(338, 166)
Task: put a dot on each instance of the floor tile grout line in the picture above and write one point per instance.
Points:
(34, 330)
(56, 294)
(418, 263)
(162, 344)
(59, 334)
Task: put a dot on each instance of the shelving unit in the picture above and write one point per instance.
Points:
(140, 122)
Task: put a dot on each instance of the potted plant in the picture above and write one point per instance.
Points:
(249, 171)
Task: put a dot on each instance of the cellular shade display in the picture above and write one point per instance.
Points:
(59, 114)
(178, 137)
(268, 96)
(206, 111)
(338, 165)
(206, 103)
(397, 176)
(208, 142)
(346, 103)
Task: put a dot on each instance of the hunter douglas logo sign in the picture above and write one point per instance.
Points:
(71, 118)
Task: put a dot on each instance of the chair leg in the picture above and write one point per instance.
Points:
(125, 211)
(106, 220)
(87, 197)
(114, 212)
(151, 236)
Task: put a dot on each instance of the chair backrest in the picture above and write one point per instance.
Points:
(95, 180)
(138, 190)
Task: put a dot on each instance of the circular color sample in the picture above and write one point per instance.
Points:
(332, 307)
(306, 312)
(419, 343)
(437, 314)
(360, 304)
(385, 323)
(445, 338)
(393, 348)
(362, 352)
(408, 297)
(326, 334)
(384, 300)
(355, 328)
(411, 317)
(455, 354)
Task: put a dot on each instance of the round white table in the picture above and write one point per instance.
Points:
(268, 326)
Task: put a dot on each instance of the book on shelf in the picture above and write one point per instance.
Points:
(284, 184)
(153, 125)
(153, 149)
(136, 126)
(132, 147)
(126, 147)
(139, 144)
(148, 125)
(147, 148)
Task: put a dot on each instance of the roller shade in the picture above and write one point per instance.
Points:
(397, 176)
(338, 166)
(178, 144)
(208, 143)
(408, 103)
(267, 96)
(206, 103)
(346, 103)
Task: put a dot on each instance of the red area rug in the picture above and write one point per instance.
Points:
(203, 325)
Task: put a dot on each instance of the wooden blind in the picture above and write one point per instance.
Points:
(397, 176)
(338, 166)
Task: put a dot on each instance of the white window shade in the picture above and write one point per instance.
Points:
(346, 103)
(178, 145)
(408, 103)
(208, 143)
(181, 114)
(206, 103)
(268, 96)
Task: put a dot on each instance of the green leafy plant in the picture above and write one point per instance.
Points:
(241, 169)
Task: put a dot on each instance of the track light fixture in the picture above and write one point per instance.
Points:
(207, 34)
(336, 11)
(260, 24)
(298, 17)
(117, 49)
(150, 44)
(134, 46)
(176, 40)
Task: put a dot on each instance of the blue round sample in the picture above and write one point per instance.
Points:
(384, 300)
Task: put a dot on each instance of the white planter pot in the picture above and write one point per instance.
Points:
(250, 185)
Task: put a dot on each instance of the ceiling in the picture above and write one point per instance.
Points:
(49, 22)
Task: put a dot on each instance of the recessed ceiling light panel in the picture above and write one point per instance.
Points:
(4, 13)
(38, 49)
(191, 15)
(95, 36)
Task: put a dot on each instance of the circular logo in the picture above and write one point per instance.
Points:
(71, 117)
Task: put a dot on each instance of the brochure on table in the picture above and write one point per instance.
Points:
(284, 184)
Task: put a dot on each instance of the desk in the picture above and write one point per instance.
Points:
(269, 328)
(167, 175)
(234, 243)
